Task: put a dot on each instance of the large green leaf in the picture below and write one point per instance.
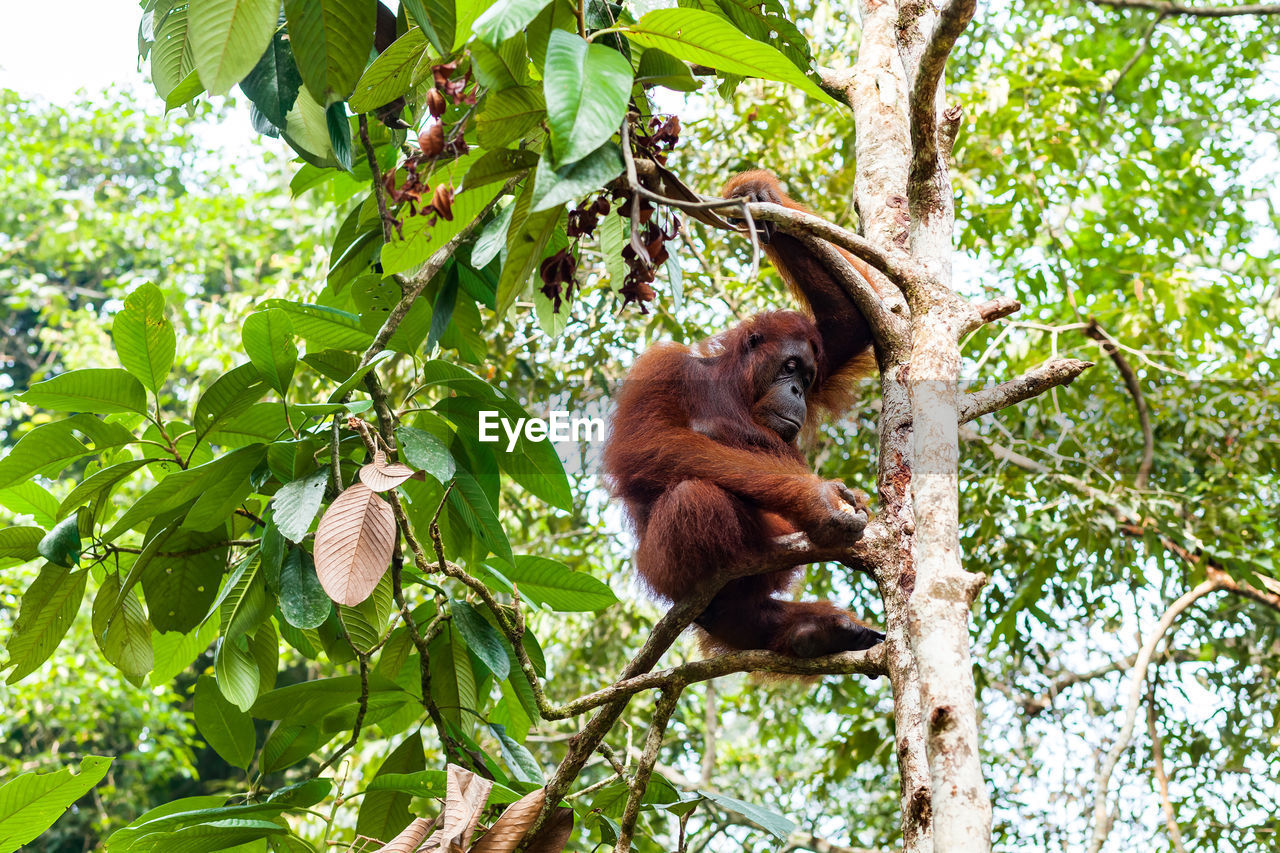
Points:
(553, 187)
(267, 337)
(230, 394)
(392, 74)
(526, 240)
(505, 19)
(47, 608)
(121, 629)
(244, 602)
(331, 40)
(49, 448)
(237, 673)
(554, 584)
(296, 504)
(586, 87)
(323, 327)
(437, 19)
(777, 825)
(453, 681)
(421, 239)
(217, 487)
(31, 802)
(20, 543)
(144, 339)
(273, 83)
(508, 115)
(225, 727)
(424, 451)
(180, 580)
(96, 390)
(703, 38)
(171, 58)
(303, 600)
(306, 129)
(384, 813)
(468, 498)
(228, 37)
(482, 638)
(31, 498)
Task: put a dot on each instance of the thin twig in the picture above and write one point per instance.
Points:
(1167, 8)
(1139, 401)
(662, 712)
(1162, 778)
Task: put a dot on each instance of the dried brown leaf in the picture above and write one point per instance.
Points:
(508, 829)
(382, 476)
(409, 839)
(554, 835)
(464, 799)
(354, 543)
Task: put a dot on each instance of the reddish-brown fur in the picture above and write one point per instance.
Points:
(705, 486)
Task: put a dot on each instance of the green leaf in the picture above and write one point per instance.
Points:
(659, 68)
(554, 584)
(273, 83)
(523, 766)
(184, 92)
(47, 608)
(477, 513)
(180, 579)
(437, 20)
(98, 484)
(481, 638)
(453, 681)
(174, 652)
(303, 600)
(225, 727)
(267, 337)
(306, 129)
(231, 394)
(296, 504)
(171, 58)
(244, 603)
(20, 543)
(508, 115)
(31, 498)
(31, 802)
(96, 390)
(586, 87)
(492, 239)
(339, 127)
(228, 37)
(384, 813)
(702, 38)
(144, 339)
(331, 40)
(505, 19)
(500, 165)
(392, 73)
(770, 821)
(323, 327)
(237, 672)
(424, 451)
(49, 448)
(61, 546)
(121, 629)
(553, 187)
(286, 745)
(217, 487)
(526, 240)
(366, 621)
(421, 240)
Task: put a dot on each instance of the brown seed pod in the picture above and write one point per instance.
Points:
(442, 201)
(436, 103)
(431, 140)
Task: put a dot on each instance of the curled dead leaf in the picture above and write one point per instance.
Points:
(464, 800)
(354, 543)
(509, 829)
(409, 839)
(382, 476)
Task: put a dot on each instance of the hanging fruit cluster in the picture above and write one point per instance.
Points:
(651, 234)
(431, 146)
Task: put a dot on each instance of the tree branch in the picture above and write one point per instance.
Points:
(1109, 347)
(1168, 8)
(953, 19)
(1033, 706)
(888, 329)
(1162, 778)
(1062, 371)
(1101, 819)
